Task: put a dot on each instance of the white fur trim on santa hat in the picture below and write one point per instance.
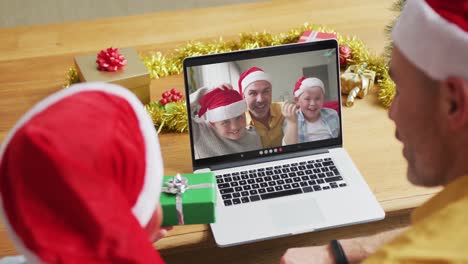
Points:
(436, 46)
(253, 77)
(226, 112)
(309, 83)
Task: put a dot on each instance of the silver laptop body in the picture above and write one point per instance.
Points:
(330, 191)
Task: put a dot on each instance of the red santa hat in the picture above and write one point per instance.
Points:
(252, 75)
(221, 104)
(433, 35)
(80, 177)
(306, 83)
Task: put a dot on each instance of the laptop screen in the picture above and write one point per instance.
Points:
(263, 102)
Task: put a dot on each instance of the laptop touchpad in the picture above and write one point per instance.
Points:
(296, 213)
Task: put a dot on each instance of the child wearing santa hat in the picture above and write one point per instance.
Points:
(219, 128)
(80, 177)
(311, 121)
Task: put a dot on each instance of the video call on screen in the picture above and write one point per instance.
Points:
(284, 70)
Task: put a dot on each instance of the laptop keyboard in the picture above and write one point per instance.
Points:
(277, 181)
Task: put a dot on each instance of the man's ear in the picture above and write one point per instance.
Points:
(212, 125)
(296, 99)
(455, 101)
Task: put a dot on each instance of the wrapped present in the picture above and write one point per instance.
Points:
(189, 199)
(311, 35)
(133, 76)
(356, 81)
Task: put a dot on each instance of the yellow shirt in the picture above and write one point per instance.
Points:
(439, 233)
(273, 135)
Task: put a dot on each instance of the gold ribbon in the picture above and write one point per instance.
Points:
(356, 81)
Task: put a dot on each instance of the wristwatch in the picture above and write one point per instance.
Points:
(338, 252)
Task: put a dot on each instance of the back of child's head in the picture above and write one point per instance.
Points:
(80, 176)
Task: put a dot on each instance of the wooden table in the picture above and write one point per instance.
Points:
(33, 62)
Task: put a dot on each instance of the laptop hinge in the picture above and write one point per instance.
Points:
(266, 159)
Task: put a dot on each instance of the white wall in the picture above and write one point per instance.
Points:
(213, 75)
(286, 70)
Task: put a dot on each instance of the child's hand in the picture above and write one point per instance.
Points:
(161, 233)
(226, 86)
(289, 112)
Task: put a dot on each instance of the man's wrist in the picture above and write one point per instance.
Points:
(354, 250)
(337, 252)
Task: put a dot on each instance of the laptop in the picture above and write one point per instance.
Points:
(284, 190)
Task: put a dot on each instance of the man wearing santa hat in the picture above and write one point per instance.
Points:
(265, 116)
(219, 128)
(80, 178)
(429, 65)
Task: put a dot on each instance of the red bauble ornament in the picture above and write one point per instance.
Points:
(163, 101)
(169, 96)
(345, 54)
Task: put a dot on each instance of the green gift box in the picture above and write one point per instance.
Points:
(197, 197)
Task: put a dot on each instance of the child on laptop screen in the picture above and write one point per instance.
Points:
(307, 119)
(220, 126)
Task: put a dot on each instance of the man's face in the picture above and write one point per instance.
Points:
(258, 97)
(310, 102)
(233, 128)
(416, 111)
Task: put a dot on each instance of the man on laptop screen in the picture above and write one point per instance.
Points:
(256, 87)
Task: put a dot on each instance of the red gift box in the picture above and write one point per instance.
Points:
(312, 35)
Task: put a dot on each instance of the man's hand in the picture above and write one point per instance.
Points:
(320, 254)
(289, 112)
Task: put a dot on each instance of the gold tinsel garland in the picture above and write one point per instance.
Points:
(171, 117)
(386, 85)
(72, 76)
(160, 65)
